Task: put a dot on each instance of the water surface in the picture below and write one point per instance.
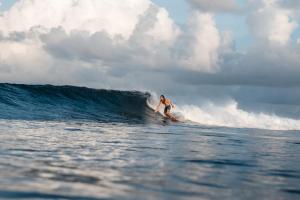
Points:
(74, 160)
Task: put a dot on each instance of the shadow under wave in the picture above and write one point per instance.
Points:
(47, 102)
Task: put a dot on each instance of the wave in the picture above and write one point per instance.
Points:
(46, 102)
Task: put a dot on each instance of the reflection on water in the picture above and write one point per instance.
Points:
(71, 160)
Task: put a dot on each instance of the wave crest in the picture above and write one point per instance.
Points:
(46, 102)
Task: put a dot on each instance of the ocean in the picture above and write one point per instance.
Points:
(65, 142)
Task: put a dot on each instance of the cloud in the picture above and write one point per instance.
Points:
(92, 16)
(96, 52)
(215, 5)
(272, 23)
(199, 46)
(197, 54)
(292, 4)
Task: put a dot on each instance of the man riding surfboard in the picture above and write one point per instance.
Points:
(168, 105)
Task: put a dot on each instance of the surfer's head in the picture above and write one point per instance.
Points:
(162, 97)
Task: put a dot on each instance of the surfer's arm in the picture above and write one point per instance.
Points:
(158, 106)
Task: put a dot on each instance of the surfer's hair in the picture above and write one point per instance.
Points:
(162, 96)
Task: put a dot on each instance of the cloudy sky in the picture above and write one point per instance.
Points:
(241, 51)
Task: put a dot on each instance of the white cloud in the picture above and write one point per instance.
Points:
(23, 61)
(137, 31)
(115, 17)
(272, 23)
(98, 44)
(120, 37)
(201, 43)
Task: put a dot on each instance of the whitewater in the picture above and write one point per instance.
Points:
(229, 115)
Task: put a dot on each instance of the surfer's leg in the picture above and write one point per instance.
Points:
(171, 117)
(168, 113)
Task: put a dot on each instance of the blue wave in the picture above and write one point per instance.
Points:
(47, 102)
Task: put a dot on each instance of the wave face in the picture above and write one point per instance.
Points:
(27, 102)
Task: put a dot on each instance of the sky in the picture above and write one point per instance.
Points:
(241, 56)
(6, 4)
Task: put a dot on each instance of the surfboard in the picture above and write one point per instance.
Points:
(172, 118)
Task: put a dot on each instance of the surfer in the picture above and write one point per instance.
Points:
(168, 105)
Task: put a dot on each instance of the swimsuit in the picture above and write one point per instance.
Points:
(167, 108)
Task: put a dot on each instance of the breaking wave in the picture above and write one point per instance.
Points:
(46, 102)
